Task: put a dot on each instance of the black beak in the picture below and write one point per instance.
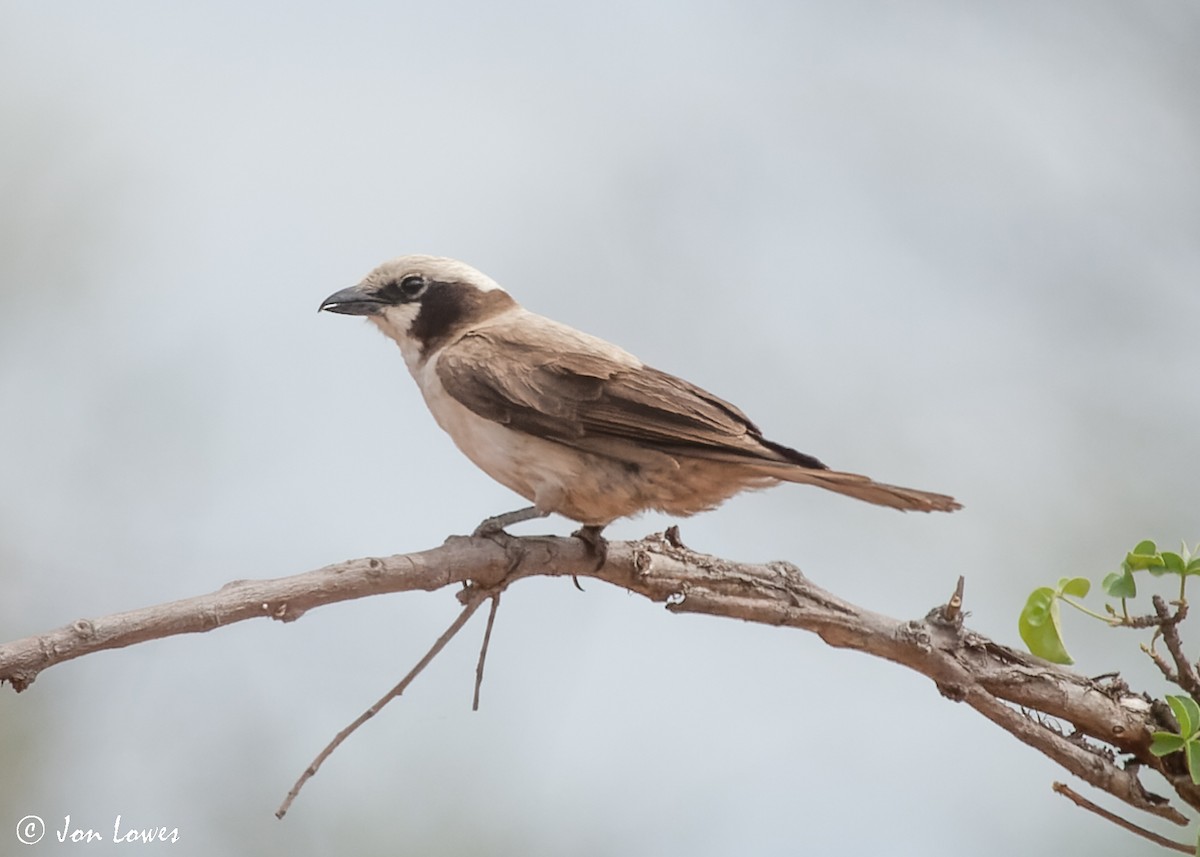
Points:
(352, 301)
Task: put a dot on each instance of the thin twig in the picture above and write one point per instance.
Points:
(483, 649)
(1139, 622)
(1187, 678)
(1160, 661)
(1156, 619)
(1082, 802)
(455, 626)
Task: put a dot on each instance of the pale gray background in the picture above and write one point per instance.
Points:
(950, 245)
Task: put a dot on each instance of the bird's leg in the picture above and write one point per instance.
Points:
(497, 523)
(596, 543)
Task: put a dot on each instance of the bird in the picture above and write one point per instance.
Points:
(574, 424)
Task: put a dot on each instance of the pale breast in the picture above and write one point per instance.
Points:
(593, 486)
(514, 459)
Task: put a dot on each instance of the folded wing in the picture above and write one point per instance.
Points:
(586, 394)
(586, 398)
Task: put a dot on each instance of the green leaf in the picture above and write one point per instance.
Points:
(1193, 711)
(1187, 712)
(1145, 555)
(1040, 626)
(1193, 566)
(1166, 563)
(1193, 760)
(1164, 743)
(1120, 584)
(1077, 586)
(1173, 562)
(1137, 563)
(1037, 606)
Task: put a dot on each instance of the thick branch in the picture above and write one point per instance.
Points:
(284, 599)
(989, 677)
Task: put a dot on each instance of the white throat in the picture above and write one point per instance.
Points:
(395, 322)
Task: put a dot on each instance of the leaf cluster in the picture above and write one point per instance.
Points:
(1040, 623)
(1187, 713)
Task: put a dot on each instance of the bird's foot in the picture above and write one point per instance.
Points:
(673, 538)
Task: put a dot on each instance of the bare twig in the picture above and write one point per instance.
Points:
(455, 626)
(1080, 801)
(1159, 661)
(1139, 622)
(1169, 625)
(483, 650)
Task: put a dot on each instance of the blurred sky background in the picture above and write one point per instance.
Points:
(951, 245)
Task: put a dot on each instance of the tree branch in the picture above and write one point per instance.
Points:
(1185, 673)
(993, 679)
(1083, 803)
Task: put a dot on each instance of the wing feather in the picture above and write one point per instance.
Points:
(572, 390)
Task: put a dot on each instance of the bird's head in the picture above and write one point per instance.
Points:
(422, 301)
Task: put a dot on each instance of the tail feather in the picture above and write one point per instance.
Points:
(865, 488)
(807, 470)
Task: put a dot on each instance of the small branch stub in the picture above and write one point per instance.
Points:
(952, 610)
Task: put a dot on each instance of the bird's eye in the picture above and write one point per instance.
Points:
(412, 285)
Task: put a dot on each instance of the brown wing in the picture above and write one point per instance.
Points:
(574, 390)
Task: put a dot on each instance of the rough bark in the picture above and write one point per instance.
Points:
(1097, 729)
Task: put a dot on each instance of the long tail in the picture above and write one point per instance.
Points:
(865, 488)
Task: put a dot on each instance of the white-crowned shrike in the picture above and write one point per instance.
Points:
(572, 423)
